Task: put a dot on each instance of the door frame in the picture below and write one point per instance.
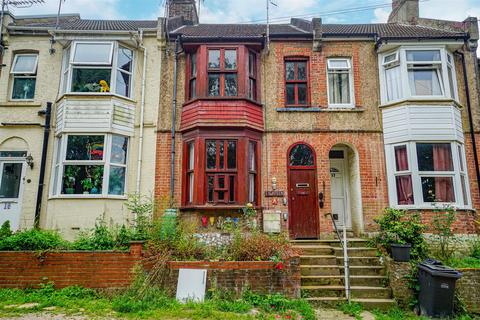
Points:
(312, 168)
(21, 161)
(345, 182)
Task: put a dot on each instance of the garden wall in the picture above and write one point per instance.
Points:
(468, 288)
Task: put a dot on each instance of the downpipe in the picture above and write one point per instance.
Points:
(41, 180)
(174, 120)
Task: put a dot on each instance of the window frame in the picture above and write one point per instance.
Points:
(59, 163)
(351, 88)
(23, 75)
(296, 82)
(252, 76)
(405, 92)
(222, 71)
(417, 175)
(67, 70)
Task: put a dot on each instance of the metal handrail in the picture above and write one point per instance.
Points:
(346, 262)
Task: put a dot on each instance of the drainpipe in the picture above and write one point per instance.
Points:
(470, 118)
(46, 134)
(174, 120)
(142, 116)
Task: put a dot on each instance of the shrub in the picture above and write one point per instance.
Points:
(400, 226)
(5, 231)
(103, 237)
(31, 240)
(442, 227)
(475, 249)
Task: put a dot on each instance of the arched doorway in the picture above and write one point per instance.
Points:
(303, 222)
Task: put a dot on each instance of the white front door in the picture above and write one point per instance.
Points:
(339, 193)
(12, 174)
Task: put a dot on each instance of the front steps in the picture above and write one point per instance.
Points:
(322, 281)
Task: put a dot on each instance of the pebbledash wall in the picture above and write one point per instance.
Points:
(115, 270)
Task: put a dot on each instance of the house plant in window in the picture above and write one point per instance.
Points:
(71, 173)
(97, 179)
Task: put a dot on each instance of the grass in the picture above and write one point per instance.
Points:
(153, 304)
(464, 262)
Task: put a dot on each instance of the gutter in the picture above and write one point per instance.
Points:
(174, 120)
(470, 118)
(142, 116)
(46, 134)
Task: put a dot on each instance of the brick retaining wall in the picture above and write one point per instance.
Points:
(468, 288)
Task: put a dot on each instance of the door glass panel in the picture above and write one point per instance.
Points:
(11, 177)
(301, 155)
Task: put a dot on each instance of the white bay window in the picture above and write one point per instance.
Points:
(425, 174)
(417, 73)
(90, 165)
(98, 67)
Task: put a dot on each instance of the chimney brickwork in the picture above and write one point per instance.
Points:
(183, 8)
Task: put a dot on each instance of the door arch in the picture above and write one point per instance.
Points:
(303, 222)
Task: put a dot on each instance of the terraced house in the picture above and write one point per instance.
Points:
(300, 119)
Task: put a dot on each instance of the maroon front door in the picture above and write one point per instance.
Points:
(303, 222)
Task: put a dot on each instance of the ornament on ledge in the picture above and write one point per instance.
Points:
(204, 221)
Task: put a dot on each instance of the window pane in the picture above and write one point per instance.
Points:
(116, 181)
(123, 84)
(301, 155)
(221, 155)
(25, 64)
(213, 84)
(434, 157)
(214, 59)
(232, 155)
(221, 185)
(230, 84)
(290, 94)
(393, 83)
(404, 190)
(210, 186)
(191, 156)
(193, 65)
(232, 189)
(302, 93)
(290, 71)
(11, 178)
(230, 59)
(438, 189)
(390, 58)
(99, 53)
(401, 158)
(252, 156)
(23, 88)
(424, 82)
(82, 179)
(338, 64)
(339, 88)
(119, 149)
(85, 148)
(125, 58)
(13, 154)
(252, 89)
(193, 88)
(460, 157)
(190, 187)
(464, 190)
(451, 82)
(251, 188)
(302, 71)
(88, 80)
(211, 154)
(252, 61)
(423, 55)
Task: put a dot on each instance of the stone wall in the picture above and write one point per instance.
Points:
(468, 289)
(398, 273)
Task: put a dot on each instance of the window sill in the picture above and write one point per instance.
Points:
(214, 207)
(87, 197)
(21, 103)
(431, 207)
(414, 100)
(321, 109)
(96, 95)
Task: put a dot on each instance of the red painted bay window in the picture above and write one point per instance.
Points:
(222, 72)
(221, 169)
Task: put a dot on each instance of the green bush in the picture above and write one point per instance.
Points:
(104, 238)
(31, 240)
(475, 249)
(400, 226)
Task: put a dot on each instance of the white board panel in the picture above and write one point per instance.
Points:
(191, 285)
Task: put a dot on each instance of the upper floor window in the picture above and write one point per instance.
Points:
(222, 72)
(252, 75)
(418, 73)
(296, 82)
(98, 67)
(24, 72)
(192, 83)
(340, 84)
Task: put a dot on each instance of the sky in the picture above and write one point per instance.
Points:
(234, 11)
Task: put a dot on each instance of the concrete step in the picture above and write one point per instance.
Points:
(364, 270)
(314, 249)
(355, 242)
(357, 252)
(368, 304)
(318, 260)
(339, 291)
(361, 261)
(373, 281)
(319, 270)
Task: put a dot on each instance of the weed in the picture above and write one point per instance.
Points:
(351, 308)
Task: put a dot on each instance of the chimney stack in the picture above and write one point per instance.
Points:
(186, 9)
(404, 12)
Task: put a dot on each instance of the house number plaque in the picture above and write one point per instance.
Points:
(274, 194)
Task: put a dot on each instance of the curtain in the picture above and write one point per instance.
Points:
(401, 158)
(442, 161)
(404, 190)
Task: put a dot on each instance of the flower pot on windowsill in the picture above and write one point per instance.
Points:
(401, 252)
(94, 190)
(86, 192)
(69, 190)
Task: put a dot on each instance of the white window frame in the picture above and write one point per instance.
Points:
(60, 162)
(67, 70)
(417, 175)
(351, 84)
(20, 75)
(406, 93)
